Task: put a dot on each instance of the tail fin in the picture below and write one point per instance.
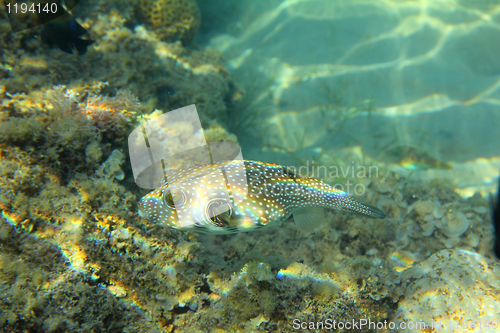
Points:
(336, 199)
(82, 44)
(355, 205)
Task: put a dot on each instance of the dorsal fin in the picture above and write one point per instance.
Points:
(289, 172)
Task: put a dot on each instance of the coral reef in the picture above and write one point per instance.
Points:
(249, 300)
(58, 201)
(163, 75)
(61, 199)
(112, 166)
(75, 256)
(171, 19)
(466, 301)
(70, 212)
(40, 293)
(251, 282)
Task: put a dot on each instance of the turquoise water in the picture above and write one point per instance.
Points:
(395, 102)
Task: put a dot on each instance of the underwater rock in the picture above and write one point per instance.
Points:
(413, 158)
(299, 276)
(466, 301)
(447, 218)
(423, 208)
(109, 112)
(453, 224)
(171, 20)
(163, 75)
(167, 302)
(117, 291)
(426, 219)
(112, 166)
(217, 133)
(93, 152)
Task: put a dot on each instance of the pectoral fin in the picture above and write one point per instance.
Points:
(308, 219)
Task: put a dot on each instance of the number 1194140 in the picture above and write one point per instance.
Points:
(37, 8)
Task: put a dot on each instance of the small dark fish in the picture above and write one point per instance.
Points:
(61, 29)
(496, 223)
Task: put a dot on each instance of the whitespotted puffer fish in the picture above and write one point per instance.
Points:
(239, 196)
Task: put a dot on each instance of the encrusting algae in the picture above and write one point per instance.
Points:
(183, 282)
(171, 19)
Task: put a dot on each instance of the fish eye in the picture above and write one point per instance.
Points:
(178, 198)
(218, 211)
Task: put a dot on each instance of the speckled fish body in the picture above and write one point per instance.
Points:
(238, 196)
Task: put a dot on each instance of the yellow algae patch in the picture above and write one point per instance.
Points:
(323, 286)
(67, 238)
(118, 291)
(105, 221)
(36, 64)
(453, 291)
(171, 20)
(403, 260)
(187, 297)
(11, 217)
